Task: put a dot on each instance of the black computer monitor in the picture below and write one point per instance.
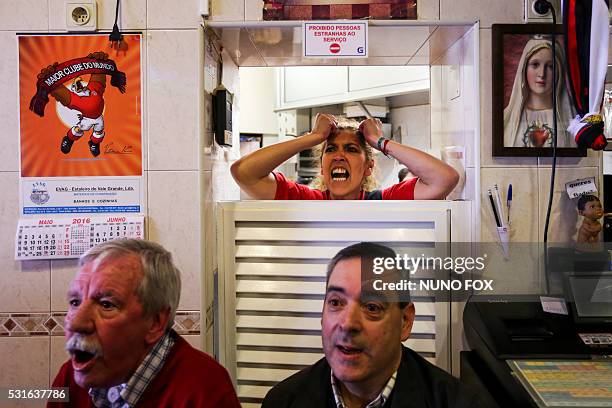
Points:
(590, 297)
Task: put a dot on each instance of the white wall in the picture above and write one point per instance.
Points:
(415, 125)
(257, 100)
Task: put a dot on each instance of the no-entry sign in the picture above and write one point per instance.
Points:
(330, 39)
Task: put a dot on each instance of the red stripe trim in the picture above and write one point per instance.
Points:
(572, 54)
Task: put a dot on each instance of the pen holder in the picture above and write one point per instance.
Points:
(504, 240)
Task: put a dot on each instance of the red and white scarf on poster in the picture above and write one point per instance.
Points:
(586, 47)
(69, 70)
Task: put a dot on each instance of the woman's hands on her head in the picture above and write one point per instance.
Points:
(324, 125)
(372, 131)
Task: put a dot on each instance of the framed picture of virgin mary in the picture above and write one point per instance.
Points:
(523, 114)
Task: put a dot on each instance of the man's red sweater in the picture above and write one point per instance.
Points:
(189, 378)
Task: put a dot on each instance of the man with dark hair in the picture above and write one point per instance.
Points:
(402, 174)
(123, 351)
(365, 363)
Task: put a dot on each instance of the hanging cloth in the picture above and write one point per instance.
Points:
(586, 48)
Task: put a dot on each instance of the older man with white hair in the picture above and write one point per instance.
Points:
(123, 351)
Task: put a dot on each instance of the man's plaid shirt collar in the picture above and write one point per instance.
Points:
(127, 395)
(378, 402)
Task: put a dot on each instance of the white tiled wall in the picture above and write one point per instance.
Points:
(31, 15)
(25, 361)
(415, 125)
(177, 14)
(172, 99)
(174, 222)
(510, 12)
(24, 286)
(9, 103)
(62, 272)
(453, 116)
(230, 10)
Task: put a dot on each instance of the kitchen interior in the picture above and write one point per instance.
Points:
(282, 102)
(419, 79)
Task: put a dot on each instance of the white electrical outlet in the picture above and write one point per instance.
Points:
(532, 16)
(81, 16)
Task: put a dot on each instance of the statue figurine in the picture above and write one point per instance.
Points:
(590, 208)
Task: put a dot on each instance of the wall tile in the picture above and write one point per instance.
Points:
(520, 273)
(24, 285)
(173, 100)
(9, 103)
(26, 324)
(469, 94)
(25, 362)
(24, 15)
(58, 355)
(453, 126)
(210, 255)
(486, 112)
(428, 9)
(210, 227)
(593, 159)
(62, 273)
(208, 119)
(211, 64)
(227, 10)
(437, 110)
(211, 80)
(132, 15)
(453, 120)
(173, 14)
(564, 218)
(524, 215)
(224, 186)
(469, 187)
(253, 10)
(472, 10)
(212, 152)
(175, 222)
(414, 124)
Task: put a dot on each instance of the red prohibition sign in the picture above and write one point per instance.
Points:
(334, 48)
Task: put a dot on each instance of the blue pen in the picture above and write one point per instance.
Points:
(509, 200)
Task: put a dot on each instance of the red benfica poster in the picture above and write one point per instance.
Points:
(80, 124)
(339, 9)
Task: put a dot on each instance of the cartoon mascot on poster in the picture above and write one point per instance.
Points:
(65, 82)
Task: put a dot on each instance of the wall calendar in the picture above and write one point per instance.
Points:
(62, 238)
